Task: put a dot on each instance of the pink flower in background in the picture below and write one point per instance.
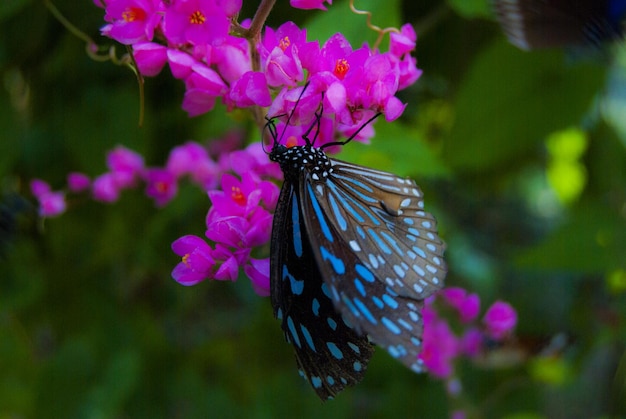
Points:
(468, 306)
(500, 319)
(105, 188)
(39, 187)
(78, 182)
(161, 185)
(440, 345)
(126, 166)
(51, 204)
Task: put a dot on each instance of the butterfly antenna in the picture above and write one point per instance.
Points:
(270, 126)
(344, 142)
(315, 124)
(293, 110)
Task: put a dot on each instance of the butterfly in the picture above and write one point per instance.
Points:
(353, 254)
(531, 24)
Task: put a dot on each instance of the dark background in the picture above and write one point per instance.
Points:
(521, 156)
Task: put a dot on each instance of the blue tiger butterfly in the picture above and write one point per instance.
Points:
(531, 24)
(353, 255)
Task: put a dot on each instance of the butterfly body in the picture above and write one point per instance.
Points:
(353, 255)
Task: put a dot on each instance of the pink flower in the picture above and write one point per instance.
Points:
(279, 50)
(160, 185)
(39, 187)
(196, 263)
(238, 197)
(253, 159)
(132, 21)
(309, 4)
(500, 319)
(258, 270)
(468, 306)
(251, 89)
(196, 22)
(105, 188)
(403, 42)
(51, 204)
(150, 57)
(125, 165)
(232, 58)
(78, 182)
(203, 86)
(440, 345)
(180, 63)
(227, 263)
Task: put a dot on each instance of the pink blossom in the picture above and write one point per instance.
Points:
(500, 319)
(468, 306)
(180, 63)
(232, 58)
(125, 165)
(253, 159)
(258, 270)
(39, 187)
(78, 182)
(203, 86)
(403, 42)
(440, 345)
(251, 89)
(105, 188)
(51, 204)
(160, 185)
(230, 7)
(279, 50)
(227, 263)
(196, 263)
(150, 57)
(309, 4)
(195, 22)
(238, 197)
(132, 21)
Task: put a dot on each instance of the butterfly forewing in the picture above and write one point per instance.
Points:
(381, 218)
(330, 354)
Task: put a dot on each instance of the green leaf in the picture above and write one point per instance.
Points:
(593, 241)
(511, 100)
(471, 8)
(396, 148)
(354, 26)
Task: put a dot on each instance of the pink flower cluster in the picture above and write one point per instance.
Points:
(442, 346)
(238, 221)
(195, 37)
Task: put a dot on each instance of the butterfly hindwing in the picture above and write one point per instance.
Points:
(330, 354)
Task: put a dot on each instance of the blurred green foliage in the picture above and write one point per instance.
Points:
(92, 325)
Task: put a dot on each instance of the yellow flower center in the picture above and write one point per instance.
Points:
(284, 43)
(197, 18)
(341, 68)
(132, 14)
(237, 195)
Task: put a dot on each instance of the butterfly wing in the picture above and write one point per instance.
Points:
(553, 23)
(381, 217)
(379, 251)
(330, 354)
